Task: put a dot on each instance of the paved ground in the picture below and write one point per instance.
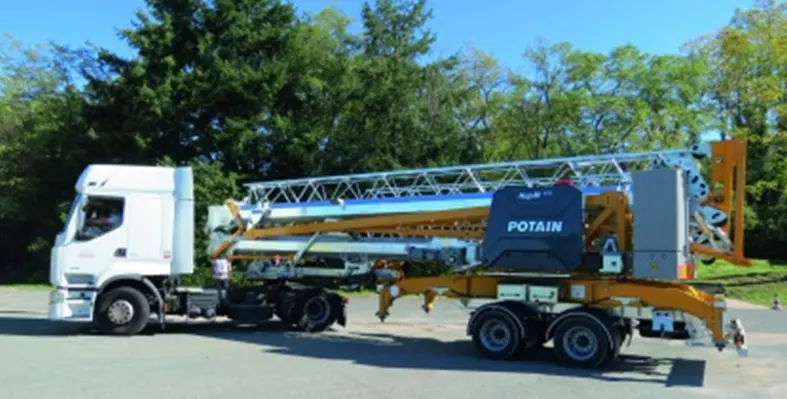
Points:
(410, 356)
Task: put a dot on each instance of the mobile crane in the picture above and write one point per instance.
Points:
(580, 264)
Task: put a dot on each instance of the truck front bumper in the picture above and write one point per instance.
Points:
(71, 305)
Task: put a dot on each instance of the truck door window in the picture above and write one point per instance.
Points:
(102, 215)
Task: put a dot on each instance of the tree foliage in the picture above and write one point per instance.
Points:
(254, 90)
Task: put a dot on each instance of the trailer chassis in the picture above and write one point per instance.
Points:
(587, 318)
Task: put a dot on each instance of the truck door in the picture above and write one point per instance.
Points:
(99, 241)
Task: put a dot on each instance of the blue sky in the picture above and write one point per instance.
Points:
(503, 28)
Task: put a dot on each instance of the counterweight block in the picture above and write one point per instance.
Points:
(535, 229)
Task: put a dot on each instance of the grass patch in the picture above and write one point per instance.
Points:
(357, 294)
(28, 287)
(756, 284)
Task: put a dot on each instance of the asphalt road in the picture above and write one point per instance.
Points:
(412, 355)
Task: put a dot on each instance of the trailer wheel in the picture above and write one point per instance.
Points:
(584, 343)
(123, 311)
(496, 334)
(314, 311)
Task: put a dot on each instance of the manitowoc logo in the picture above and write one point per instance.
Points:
(535, 226)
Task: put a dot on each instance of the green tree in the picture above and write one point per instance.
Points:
(574, 102)
(324, 81)
(44, 144)
(400, 112)
(749, 81)
(483, 90)
(211, 82)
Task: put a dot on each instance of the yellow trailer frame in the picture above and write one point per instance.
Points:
(600, 292)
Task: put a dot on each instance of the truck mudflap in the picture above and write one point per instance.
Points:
(341, 305)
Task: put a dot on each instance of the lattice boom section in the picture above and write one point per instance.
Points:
(589, 171)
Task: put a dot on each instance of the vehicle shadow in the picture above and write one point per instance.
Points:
(387, 350)
(23, 323)
(398, 351)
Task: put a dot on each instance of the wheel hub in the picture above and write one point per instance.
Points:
(317, 310)
(495, 335)
(580, 343)
(120, 312)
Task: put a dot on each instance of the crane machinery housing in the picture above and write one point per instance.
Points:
(580, 251)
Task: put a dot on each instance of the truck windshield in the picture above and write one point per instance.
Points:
(73, 211)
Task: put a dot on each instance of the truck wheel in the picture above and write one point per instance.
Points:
(583, 343)
(123, 311)
(314, 311)
(496, 335)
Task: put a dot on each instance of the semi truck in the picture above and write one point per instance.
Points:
(581, 251)
(116, 273)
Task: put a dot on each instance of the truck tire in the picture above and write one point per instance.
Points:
(496, 334)
(314, 311)
(581, 342)
(122, 311)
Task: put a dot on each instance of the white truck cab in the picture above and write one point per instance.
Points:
(128, 239)
(126, 222)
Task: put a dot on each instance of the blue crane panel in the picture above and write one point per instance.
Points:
(535, 230)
